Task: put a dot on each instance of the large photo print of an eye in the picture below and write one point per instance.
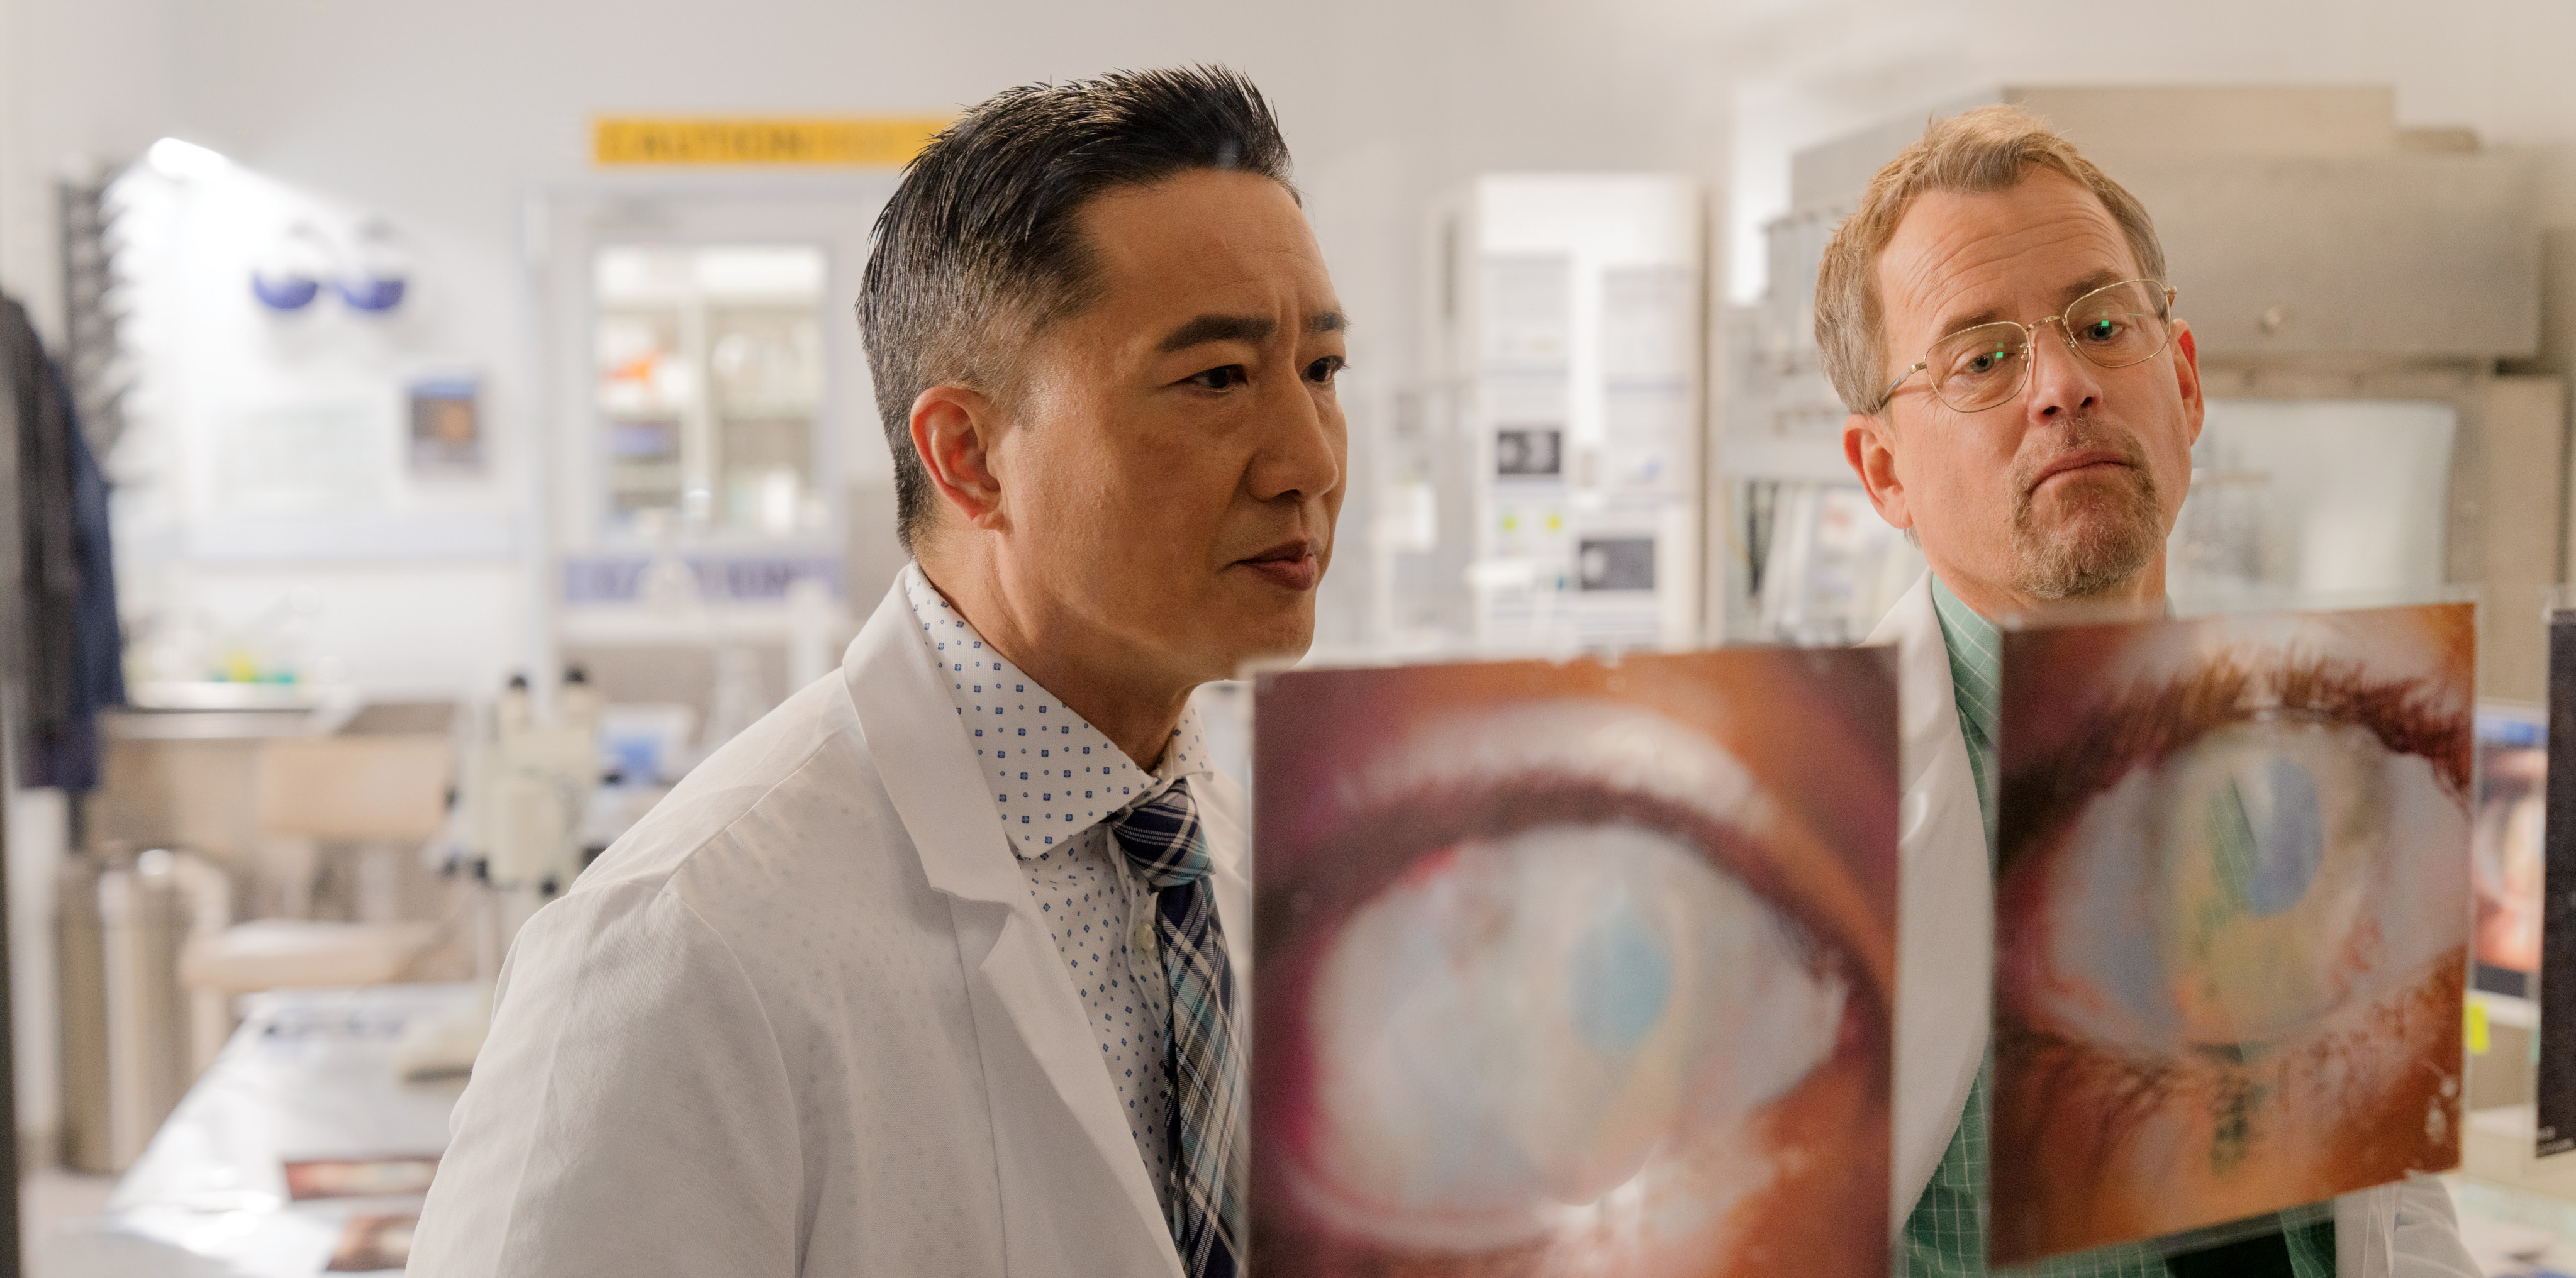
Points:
(2232, 919)
(1552, 1001)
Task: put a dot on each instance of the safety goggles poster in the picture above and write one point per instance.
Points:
(2232, 917)
(1575, 968)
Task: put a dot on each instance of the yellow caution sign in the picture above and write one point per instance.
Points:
(2477, 1032)
(847, 141)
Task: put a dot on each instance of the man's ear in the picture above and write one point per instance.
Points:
(2187, 371)
(1869, 446)
(955, 432)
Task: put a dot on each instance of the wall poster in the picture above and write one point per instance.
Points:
(1575, 969)
(2505, 847)
(2232, 918)
(446, 426)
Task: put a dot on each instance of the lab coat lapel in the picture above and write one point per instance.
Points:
(1021, 994)
(1946, 919)
(2363, 1222)
(2407, 1229)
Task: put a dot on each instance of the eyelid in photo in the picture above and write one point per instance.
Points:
(2112, 840)
(1572, 759)
(2153, 720)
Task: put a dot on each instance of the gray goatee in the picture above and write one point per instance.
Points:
(2103, 534)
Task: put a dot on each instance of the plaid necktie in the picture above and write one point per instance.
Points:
(1163, 843)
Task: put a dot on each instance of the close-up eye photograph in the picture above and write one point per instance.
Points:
(2233, 916)
(1159, 639)
(1568, 969)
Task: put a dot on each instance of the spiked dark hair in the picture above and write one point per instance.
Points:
(979, 248)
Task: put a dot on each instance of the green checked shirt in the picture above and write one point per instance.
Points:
(1945, 1235)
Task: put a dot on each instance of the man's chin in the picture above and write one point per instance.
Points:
(1271, 642)
(2089, 550)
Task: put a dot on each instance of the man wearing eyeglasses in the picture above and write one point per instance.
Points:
(2023, 403)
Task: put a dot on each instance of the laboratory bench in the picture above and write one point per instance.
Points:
(312, 1078)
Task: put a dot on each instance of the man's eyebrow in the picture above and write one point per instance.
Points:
(1953, 323)
(1218, 328)
(2098, 279)
(1328, 322)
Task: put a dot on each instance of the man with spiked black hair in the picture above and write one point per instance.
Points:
(932, 971)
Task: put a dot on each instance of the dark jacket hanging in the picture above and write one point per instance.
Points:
(71, 651)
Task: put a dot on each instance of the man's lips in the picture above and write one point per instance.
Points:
(1290, 565)
(2075, 463)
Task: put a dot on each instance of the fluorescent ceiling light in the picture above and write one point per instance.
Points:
(173, 158)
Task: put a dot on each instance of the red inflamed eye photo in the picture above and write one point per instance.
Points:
(2233, 917)
(1575, 969)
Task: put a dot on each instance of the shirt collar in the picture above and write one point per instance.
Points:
(1976, 659)
(1976, 688)
(1053, 775)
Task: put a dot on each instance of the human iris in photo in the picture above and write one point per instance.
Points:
(2233, 918)
(1575, 969)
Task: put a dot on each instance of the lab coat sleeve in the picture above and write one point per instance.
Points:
(2426, 1239)
(630, 1114)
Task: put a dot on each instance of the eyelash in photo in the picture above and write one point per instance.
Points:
(2147, 723)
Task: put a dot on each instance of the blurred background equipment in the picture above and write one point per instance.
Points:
(304, 832)
(1558, 418)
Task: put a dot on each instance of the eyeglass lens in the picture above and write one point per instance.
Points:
(1977, 368)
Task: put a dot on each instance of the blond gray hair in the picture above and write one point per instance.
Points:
(1989, 149)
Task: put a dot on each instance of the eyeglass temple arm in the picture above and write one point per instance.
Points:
(1890, 392)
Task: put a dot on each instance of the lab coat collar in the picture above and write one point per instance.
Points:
(1946, 909)
(974, 663)
(929, 773)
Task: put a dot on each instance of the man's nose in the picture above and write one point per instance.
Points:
(1301, 456)
(2062, 383)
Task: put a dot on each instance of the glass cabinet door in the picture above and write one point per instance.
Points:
(709, 381)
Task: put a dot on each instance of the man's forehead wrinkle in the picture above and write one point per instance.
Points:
(1213, 265)
(1955, 273)
(1202, 329)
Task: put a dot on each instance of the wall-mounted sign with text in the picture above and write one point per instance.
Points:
(847, 141)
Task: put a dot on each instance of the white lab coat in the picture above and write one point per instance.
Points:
(807, 1019)
(1945, 963)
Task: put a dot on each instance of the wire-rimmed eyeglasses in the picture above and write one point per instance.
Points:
(1983, 365)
